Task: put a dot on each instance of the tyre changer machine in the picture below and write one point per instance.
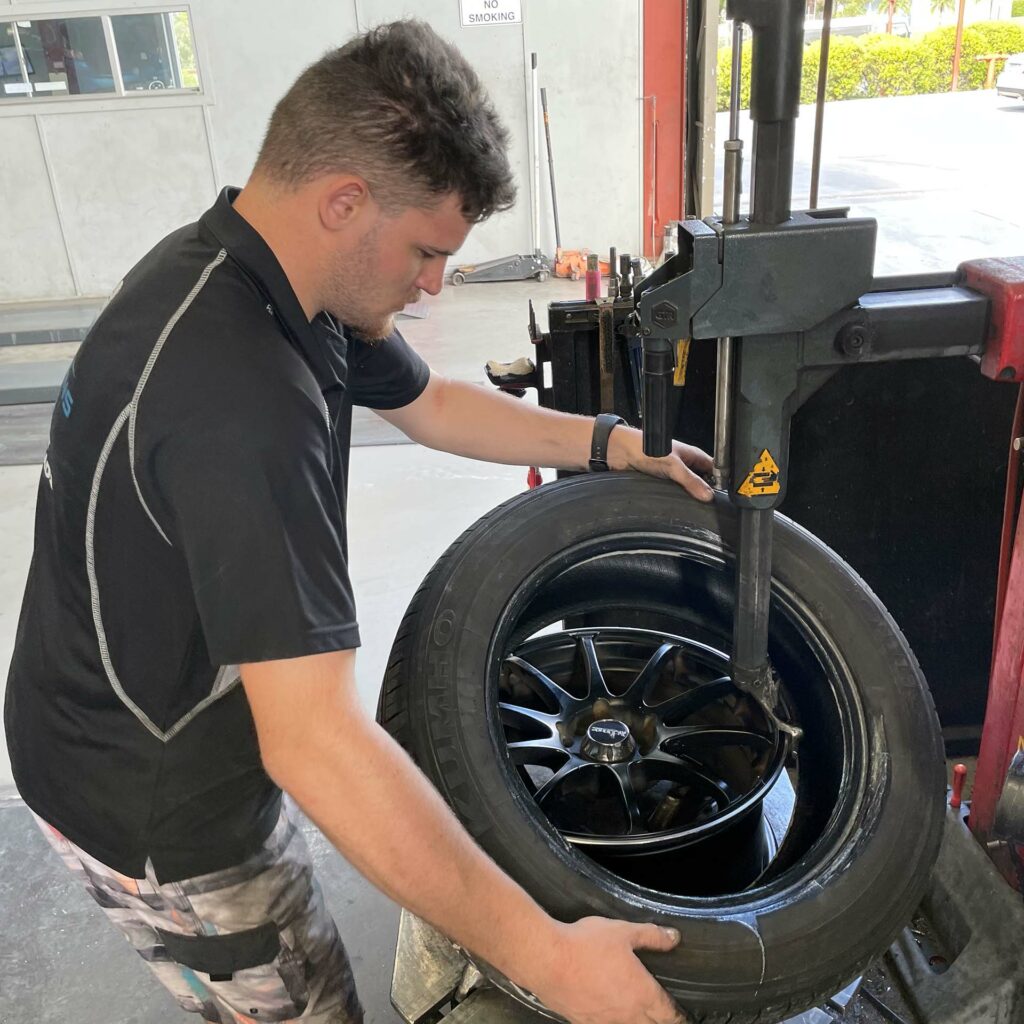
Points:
(790, 298)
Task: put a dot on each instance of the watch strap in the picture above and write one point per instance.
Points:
(603, 426)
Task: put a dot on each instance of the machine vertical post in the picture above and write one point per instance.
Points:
(777, 28)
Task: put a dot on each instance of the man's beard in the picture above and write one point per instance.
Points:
(355, 299)
(375, 333)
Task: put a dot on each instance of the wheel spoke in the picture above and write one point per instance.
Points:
(596, 686)
(659, 764)
(569, 769)
(627, 791)
(695, 699)
(712, 736)
(543, 686)
(518, 717)
(538, 752)
(648, 677)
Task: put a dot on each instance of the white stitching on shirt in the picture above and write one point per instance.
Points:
(94, 590)
(219, 688)
(148, 369)
(227, 677)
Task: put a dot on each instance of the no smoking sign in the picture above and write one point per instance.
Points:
(491, 12)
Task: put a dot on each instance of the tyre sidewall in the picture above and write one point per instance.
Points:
(843, 912)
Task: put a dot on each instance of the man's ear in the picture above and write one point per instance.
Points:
(344, 200)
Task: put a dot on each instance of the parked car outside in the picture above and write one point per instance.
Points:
(1011, 79)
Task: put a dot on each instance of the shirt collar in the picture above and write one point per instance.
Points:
(317, 342)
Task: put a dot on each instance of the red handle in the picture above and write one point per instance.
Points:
(959, 774)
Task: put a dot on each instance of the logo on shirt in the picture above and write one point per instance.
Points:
(67, 400)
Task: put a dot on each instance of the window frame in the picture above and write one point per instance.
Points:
(37, 102)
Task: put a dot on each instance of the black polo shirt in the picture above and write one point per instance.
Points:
(190, 517)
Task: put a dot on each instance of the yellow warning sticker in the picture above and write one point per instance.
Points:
(682, 359)
(763, 478)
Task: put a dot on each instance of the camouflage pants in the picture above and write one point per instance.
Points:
(247, 944)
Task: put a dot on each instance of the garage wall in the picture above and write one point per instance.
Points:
(33, 259)
(251, 61)
(153, 166)
(91, 184)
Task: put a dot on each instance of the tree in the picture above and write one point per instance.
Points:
(186, 51)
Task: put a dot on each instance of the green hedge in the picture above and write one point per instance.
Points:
(884, 65)
(1017, 10)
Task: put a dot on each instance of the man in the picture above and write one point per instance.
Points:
(190, 534)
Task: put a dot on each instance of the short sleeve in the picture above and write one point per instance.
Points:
(387, 374)
(254, 509)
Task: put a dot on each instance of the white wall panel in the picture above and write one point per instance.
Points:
(125, 176)
(125, 179)
(33, 263)
(589, 59)
(251, 61)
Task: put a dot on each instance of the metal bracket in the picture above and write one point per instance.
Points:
(981, 919)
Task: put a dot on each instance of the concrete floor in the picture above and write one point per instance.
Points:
(939, 203)
(62, 962)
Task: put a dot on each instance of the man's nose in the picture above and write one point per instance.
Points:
(431, 279)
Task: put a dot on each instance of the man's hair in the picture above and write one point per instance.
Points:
(401, 108)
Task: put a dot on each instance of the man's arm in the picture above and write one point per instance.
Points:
(481, 422)
(376, 807)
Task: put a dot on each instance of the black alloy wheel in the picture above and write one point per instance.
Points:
(561, 676)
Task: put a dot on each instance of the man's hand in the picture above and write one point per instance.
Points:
(319, 744)
(685, 465)
(598, 979)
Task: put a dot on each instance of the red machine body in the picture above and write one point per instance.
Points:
(1002, 280)
(1003, 732)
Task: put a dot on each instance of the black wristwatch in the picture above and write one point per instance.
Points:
(603, 426)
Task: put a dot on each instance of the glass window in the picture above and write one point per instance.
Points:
(12, 84)
(53, 57)
(66, 56)
(155, 51)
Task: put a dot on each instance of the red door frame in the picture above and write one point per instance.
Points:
(664, 111)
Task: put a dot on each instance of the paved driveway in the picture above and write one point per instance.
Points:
(942, 174)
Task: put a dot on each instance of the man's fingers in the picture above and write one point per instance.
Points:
(653, 936)
(664, 1010)
(671, 1015)
(696, 458)
(690, 481)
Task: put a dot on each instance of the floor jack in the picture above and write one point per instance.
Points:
(790, 298)
(518, 267)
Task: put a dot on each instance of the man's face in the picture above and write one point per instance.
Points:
(395, 259)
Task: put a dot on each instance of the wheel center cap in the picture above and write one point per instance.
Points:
(608, 740)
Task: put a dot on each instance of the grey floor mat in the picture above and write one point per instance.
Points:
(24, 430)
